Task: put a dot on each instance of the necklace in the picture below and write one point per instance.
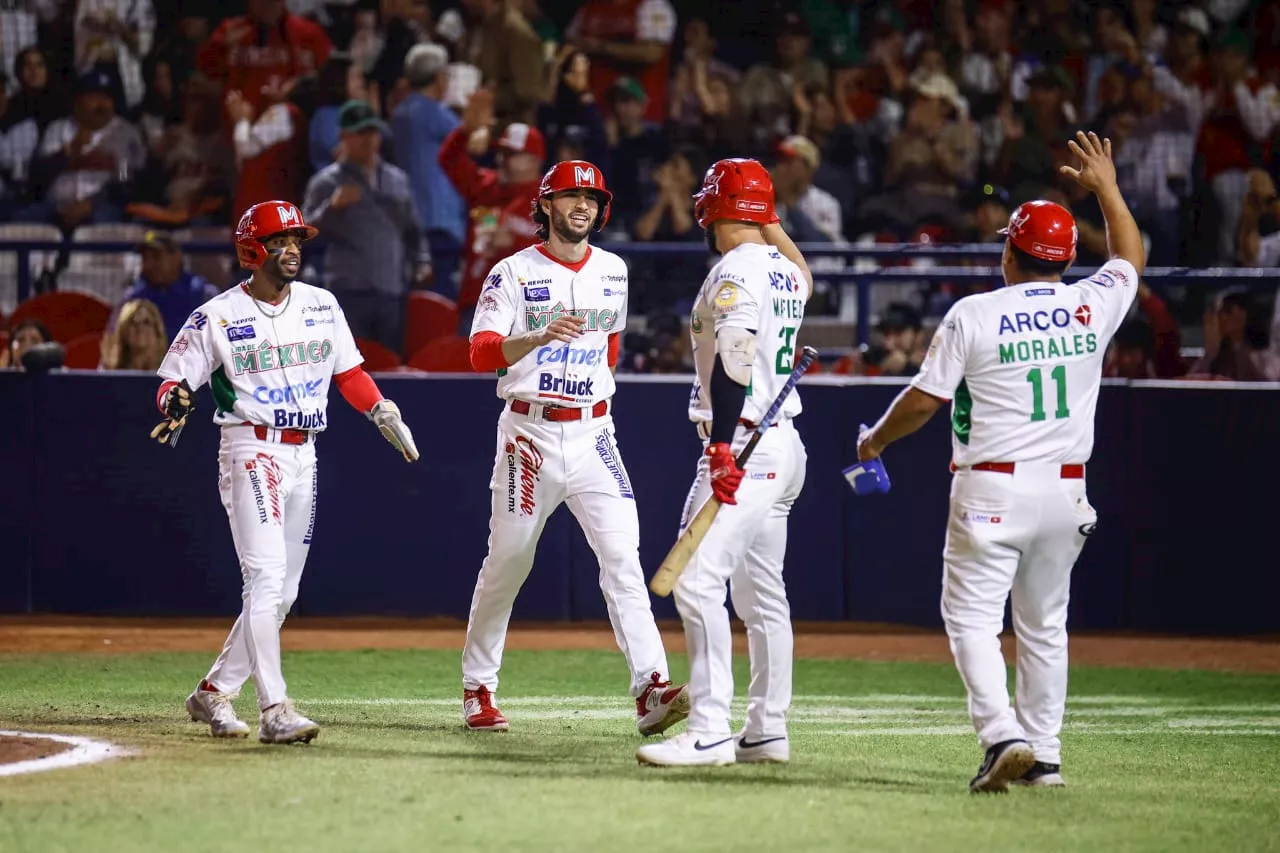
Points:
(262, 305)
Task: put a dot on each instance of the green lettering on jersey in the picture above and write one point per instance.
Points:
(962, 413)
(1006, 354)
(1041, 349)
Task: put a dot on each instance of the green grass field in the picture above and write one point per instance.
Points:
(881, 757)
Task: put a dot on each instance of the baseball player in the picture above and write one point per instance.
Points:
(269, 349)
(744, 326)
(1021, 367)
(548, 321)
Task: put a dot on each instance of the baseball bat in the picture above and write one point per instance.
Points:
(681, 552)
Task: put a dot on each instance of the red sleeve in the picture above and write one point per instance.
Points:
(486, 352)
(615, 344)
(1168, 355)
(358, 388)
(476, 186)
(164, 390)
(321, 46)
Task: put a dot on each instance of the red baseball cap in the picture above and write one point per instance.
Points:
(523, 139)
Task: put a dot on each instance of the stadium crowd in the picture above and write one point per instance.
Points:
(414, 134)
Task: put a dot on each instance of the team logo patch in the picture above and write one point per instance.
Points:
(197, 321)
(609, 456)
(537, 294)
(1084, 314)
(695, 323)
(727, 295)
(179, 345)
(488, 303)
(1104, 279)
(493, 281)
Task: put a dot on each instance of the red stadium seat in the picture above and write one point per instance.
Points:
(377, 357)
(68, 315)
(84, 352)
(428, 316)
(450, 354)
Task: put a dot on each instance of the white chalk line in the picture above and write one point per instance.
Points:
(83, 751)
(890, 714)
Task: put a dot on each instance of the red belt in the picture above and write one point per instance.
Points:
(560, 413)
(1069, 472)
(704, 427)
(285, 436)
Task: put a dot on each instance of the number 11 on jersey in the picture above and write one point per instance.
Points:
(1036, 378)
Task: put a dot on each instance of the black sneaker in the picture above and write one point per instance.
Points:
(1042, 775)
(1006, 761)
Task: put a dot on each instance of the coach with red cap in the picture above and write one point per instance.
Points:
(1022, 366)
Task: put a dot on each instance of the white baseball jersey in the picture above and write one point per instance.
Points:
(752, 287)
(265, 369)
(528, 290)
(1022, 366)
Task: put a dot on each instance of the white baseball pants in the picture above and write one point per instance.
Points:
(539, 465)
(269, 492)
(744, 548)
(1014, 534)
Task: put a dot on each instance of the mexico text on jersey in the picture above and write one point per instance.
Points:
(266, 364)
(752, 287)
(529, 290)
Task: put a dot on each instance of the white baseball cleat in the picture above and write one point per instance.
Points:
(282, 724)
(762, 750)
(688, 749)
(214, 707)
(661, 706)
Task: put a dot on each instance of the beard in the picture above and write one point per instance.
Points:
(273, 268)
(566, 230)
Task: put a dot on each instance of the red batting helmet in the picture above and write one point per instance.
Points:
(574, 175)
(1043, 230)
(736, 189)
(263, 221)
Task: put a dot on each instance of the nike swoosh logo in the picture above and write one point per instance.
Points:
(745, 744)
(700, 746)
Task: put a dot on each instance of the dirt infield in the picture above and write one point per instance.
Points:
(15, 749)
(37, 634)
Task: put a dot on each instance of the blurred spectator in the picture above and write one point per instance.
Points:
(165, 284)
(665, 281)
(462, 76)
(498, 201)
(828, 122)
(696, 69)
(1241, 113)
(373, 236)
(404, 23)
(1149, 165)
(22, 337)
(139, 340)
(1033, 140)
(903, 339)
(570, 114)
(930, 161)
(191, 171)
(986, 64)
(504, 46)
(86, 158)
(768, 89)
(990, 213)
(38, 97)
(20, 22)
(627, 38)
(114, 36)
(638, 146)
(259, 53)
(798, 162)
(340, 80)
(19, 139)
(271, 146)
(420, 124)
(161, 106)
(1151, 35)
(1258, 238)
(1149, 346)
(718, 125)
(1228, 351)
(180, 41)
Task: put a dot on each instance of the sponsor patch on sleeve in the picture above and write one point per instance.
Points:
(726, 295)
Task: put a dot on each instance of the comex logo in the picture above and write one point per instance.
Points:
(565, 354)
(289, 394)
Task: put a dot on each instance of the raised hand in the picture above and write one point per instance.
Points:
(1097, 171)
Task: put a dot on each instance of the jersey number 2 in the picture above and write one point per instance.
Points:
(786, 353)
(1036, 378)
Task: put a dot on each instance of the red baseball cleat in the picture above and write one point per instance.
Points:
(480, 713)
(661, 706)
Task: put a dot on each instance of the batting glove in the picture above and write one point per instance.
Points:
(179, 403)
(386, 415)
(726, 476)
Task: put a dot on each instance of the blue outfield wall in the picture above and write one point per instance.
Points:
(95, 518)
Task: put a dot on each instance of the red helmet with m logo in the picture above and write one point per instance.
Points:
(264, 221)
(577, 175)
